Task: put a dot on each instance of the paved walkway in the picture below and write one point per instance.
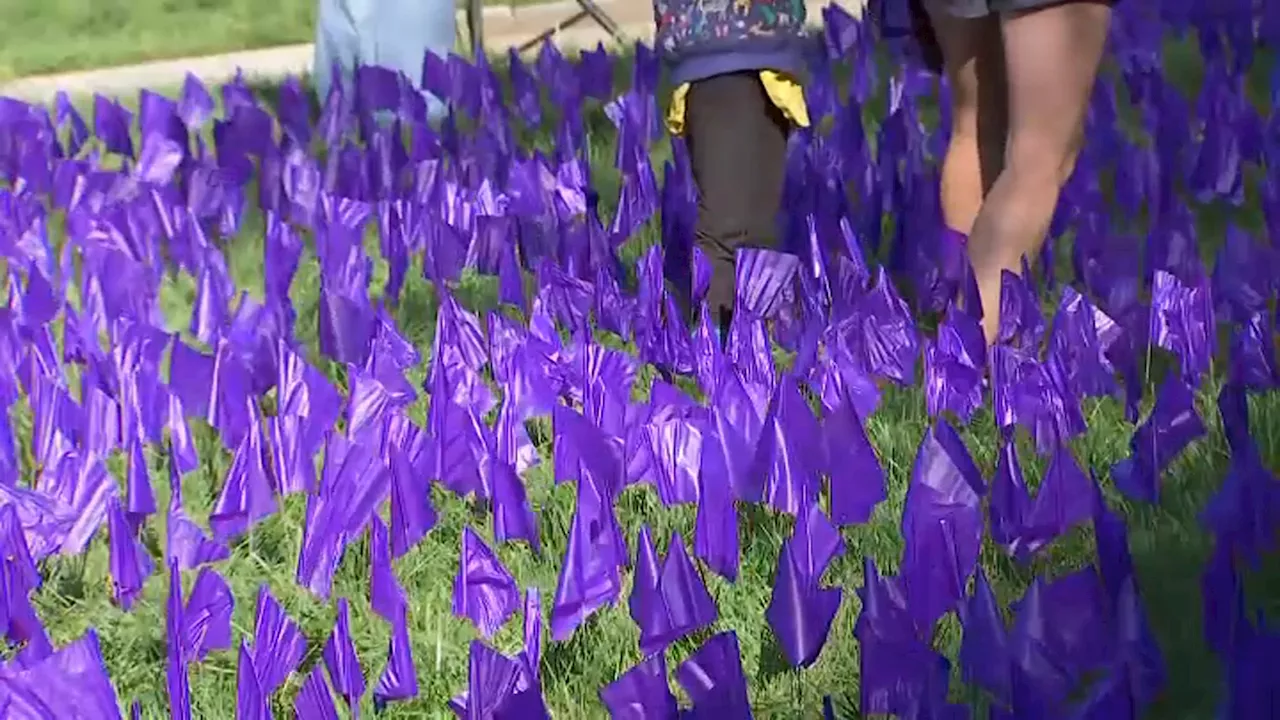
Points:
(504, 27)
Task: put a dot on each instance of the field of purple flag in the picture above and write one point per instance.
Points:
(322, 411)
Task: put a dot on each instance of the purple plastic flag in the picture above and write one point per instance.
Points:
(130, 563)
(714, 679)
(456, 445)
(801, 610)
(1136, 675)
(186, 543)
(209, 311)
(668, 602)
(307, 407)
(1065, 499)
(954, 365)
(70, 683)
(880, 333)
(789, 454)
(941, 523)
(763, 279)
(1062, 630)
(1021, 323)
(901, 673)
(347, 320)
(715, 538)
(1010, 499)
(232, 409)
(1030, 393)
(66, 114)
(252, 701)
(1182, 322)
(984, 657)
(178, 683)
(513, 516)
(278, 644)
(642, 693)
(341, 660)
(483, 591)
(19, 575)
(141, 500)
(207, 615)
(1245, 512)
(493, 688)
(1252, 354)
(78, 489)
(738, 411)
(1254, 648)
(1078, 344)
(111, 123)
(585, 450)
(531, 654)
(374, 396)
(182, 446)
(1243, 276)
(355, 483)
(191, 379)
(399, 679)
(195, 105)
(412, 514)
(857, 479)
(315, 700)
(589, 577)
(246, 496)
(1172, 426)
(675, 445)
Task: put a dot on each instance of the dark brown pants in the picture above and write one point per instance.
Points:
(737, 146)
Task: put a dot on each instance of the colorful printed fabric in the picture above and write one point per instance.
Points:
(702, 38)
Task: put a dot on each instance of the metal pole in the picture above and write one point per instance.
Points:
(475, 24)
(550, 32)
(598, 14)
(590, 9)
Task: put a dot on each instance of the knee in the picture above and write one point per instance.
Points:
(1042, 162)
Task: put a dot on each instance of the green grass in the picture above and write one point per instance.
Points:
(1168, 545)
(46, 36)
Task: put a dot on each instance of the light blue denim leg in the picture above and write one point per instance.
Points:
(391, 33)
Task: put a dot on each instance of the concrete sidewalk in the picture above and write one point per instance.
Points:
(504, 27)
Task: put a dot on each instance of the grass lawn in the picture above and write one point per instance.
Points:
(46, 36)
(1168, 544)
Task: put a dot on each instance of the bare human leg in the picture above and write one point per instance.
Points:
(973, 60)
(1052, 56)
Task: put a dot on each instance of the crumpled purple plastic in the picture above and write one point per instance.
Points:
(1024, 525)
(642, 692)
(713, 678)
(941, 523)
(71, 682)
(1182, 322)
(954, 364)
(801, 610)
(900, 673)
(1172, 426)
(483, 590)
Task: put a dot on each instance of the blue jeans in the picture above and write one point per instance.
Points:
(391, 33)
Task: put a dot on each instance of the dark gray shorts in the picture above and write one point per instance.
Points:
(982, 8)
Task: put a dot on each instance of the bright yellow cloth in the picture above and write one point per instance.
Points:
(782, 89)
